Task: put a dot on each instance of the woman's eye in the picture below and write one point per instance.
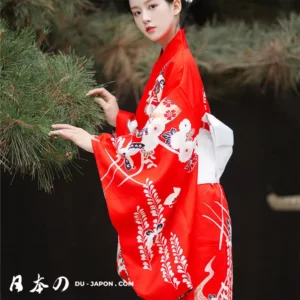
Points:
(150, 6)
(135, 13)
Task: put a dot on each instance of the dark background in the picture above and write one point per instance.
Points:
(68, 233)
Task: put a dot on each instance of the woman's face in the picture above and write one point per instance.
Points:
(156, 13)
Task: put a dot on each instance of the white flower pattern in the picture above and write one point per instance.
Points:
(183, 141)
(155, 237)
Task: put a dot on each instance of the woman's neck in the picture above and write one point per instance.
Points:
(168, 38)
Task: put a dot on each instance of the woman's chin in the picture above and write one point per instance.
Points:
(153, 38)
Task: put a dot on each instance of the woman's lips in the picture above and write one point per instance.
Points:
(150, 29)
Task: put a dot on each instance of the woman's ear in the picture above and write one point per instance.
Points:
(177, 7)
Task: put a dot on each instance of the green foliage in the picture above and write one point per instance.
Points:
(41, 14)
(235, 55)
(259, 56)
(38, 90)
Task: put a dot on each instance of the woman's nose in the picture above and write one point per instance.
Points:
(146, 18)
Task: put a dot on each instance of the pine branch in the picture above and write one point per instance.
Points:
(38, 90)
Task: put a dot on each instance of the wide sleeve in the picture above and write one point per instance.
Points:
(125, 122)
(145, 175)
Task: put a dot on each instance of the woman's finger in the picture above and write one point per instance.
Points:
(95, 92)
(63, 126)
(65, 133)
(101, 102)
(104, 93)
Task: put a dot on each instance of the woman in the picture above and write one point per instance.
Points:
(160, 172)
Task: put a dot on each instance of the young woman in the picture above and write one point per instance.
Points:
(160, 172)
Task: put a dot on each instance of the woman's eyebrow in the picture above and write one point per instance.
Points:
(138, 7)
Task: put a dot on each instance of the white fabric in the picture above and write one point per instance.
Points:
(132, 125)
(214, 148)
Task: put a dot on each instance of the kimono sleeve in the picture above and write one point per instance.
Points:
(125, 122)
(160, 153)
(144, 176)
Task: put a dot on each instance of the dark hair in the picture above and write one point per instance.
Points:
(184, 10)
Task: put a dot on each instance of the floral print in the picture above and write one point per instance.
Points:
(170, 114)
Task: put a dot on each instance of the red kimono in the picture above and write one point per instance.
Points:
(160, 174)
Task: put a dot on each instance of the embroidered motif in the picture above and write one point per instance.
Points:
(180, 260)
(225, 291)
(182, 140)
(223, 223)
(155, 236)
(156, 208)
(190, 134)
(167, 102)
(125, 152)
(166, 113)
(142, 132)
(170, 114)
(186, 151)
(171, 199)
(132, 125)
(180, 136)
(155, 95)
(192, 162)
(198, 294)
(149, 109)
(151, 138)
(146, 154)
(167, 135)
(152, 235)
(166, 269)
(205, 103)
(142, 238)
(159, 86)
(149, 161)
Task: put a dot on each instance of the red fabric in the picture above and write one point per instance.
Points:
(122, 122)
(174, 234)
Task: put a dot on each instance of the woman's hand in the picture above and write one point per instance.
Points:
(77, 135)
(108, 102)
